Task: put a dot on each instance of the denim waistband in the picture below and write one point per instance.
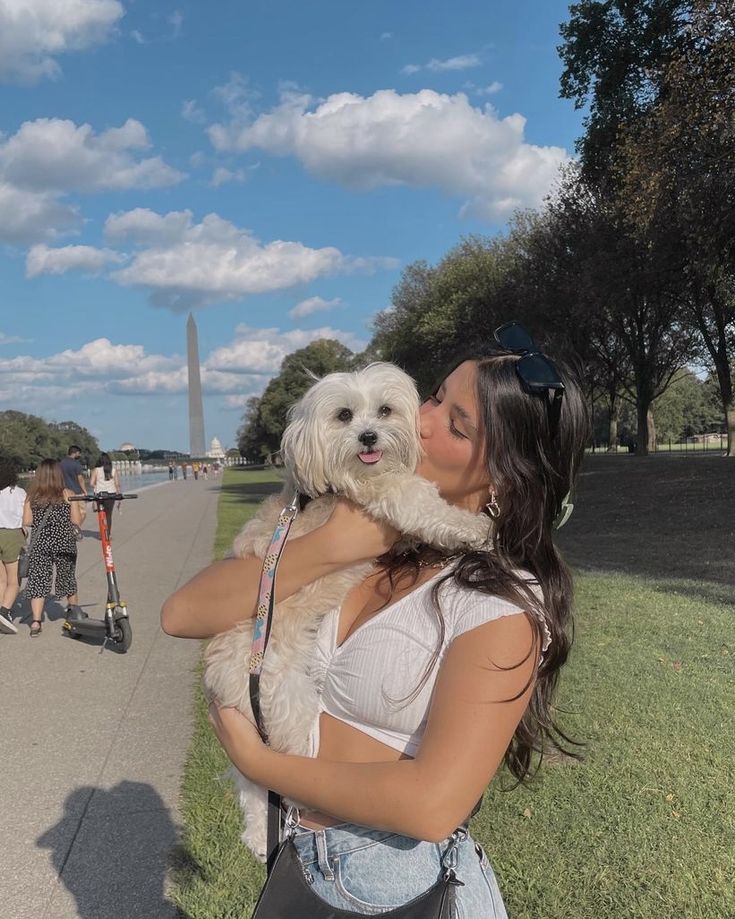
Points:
(350, 837)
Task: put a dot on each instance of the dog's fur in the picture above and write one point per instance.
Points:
(320, 448)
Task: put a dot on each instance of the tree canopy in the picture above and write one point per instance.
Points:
(27, 439)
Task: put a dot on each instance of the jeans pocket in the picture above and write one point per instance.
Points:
(381, 877)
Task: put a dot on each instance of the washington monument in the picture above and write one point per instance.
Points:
(196, 411)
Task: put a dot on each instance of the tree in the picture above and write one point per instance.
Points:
(676, 165)
(439, 312)
(251, 436)
(613, 52)
(659, 76)
(685, 409)
(28, 439)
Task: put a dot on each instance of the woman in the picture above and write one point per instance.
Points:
(12, 538)
(54, 545)
(482, 639)
(106, 480)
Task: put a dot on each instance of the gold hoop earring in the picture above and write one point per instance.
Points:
(492, 507)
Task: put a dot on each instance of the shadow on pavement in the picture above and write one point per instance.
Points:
(112, 851)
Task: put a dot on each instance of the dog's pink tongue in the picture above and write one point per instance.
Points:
(371, 457)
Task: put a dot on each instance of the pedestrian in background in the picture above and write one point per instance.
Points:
(106, 480)
(73, 471)
(54, 544)
(12, 538)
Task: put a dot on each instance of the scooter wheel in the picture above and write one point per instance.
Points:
(123, 635)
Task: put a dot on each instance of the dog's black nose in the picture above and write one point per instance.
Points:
(368, 438)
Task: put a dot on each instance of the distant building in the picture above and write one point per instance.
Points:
(215, 451)
(126, 448)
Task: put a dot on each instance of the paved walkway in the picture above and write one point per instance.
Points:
(92, 743)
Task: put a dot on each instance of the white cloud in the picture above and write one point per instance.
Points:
(11, 339)
(137, 36)
(26, 216)
(424, 139)
(176, 21)
(148, 228)
(34, 32)
(222, 176)
(490, 90)
(261, 351)
(43, 260)
(313, 305)
(235, 371)
(386, 36)
(461, 62)
(188, 264)
(192, 112)
(94, 360)
(55, 155)
(237, 96)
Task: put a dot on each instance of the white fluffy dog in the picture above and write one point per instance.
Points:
(354, 435)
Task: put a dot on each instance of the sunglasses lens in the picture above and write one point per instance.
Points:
(513, 337)
(538, 373)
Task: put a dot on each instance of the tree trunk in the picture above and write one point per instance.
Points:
(613, 403)
(730, 417)
(642, 412)
(612, 436)
(650, 432)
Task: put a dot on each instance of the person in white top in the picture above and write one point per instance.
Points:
(12, 538)
(435, 670)
(105, 479)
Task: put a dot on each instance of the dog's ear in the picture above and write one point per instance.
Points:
(303, 454)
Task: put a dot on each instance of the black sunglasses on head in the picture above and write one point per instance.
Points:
(537, 373)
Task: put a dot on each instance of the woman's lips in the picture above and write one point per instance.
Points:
(370, 458)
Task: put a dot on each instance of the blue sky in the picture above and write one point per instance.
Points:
(271, 166)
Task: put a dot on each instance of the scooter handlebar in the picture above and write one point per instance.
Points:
(102, 495)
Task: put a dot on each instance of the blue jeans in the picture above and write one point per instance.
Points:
(372, 871)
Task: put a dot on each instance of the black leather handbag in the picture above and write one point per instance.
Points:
(287, 893)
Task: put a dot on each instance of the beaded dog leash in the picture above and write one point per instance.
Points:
(266, 602)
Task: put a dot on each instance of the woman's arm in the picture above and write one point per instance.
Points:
(472, 720)
(76, 509)
(226, 592)
(93, 478)
(27, 513)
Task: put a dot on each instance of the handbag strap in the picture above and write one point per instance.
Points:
(261, 636)
(35, 530)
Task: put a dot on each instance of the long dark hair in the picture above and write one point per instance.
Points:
(8, 474)
(532, 474)
(106, 464)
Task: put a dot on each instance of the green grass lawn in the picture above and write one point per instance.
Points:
(643, 828)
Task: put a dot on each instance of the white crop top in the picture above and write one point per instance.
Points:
(365, 681)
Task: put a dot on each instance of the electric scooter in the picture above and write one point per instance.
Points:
(115, 627)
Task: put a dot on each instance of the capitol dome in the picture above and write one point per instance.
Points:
(215, 450)
(125, 448)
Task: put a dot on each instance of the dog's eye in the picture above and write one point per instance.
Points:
(384, 411)
(344, 415)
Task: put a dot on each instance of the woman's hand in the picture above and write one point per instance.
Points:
(239, 738)
(355, 535)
